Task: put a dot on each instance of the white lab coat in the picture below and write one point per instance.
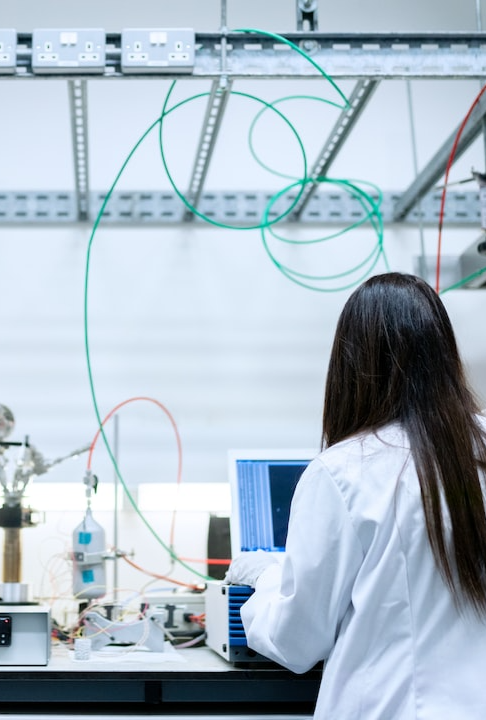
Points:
(359, 588)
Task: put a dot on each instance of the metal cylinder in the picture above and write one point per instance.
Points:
(12, 554)
(14, 593)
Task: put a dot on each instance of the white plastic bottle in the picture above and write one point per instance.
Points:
(89, 577)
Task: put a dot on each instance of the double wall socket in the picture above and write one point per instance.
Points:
(68, 51)
(8, 52)
(157, 50)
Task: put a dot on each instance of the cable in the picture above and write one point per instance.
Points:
(190, 643)
(209, 561)
(268, 223)
(465, 280)
(444, 189)
(179, 479)
(259, 115)
(136, 399)
(269, 106)
(178, 441)
(306, 56)
(90, 370)
(163, 577)
(372, 213)
(299, 278)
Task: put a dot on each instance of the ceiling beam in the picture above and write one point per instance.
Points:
(342, 55)
(78, 103)
(358, 100)
(436, 168)
(218, 99)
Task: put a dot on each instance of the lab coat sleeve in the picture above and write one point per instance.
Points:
(295, 613)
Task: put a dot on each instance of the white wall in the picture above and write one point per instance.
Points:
(196, 317)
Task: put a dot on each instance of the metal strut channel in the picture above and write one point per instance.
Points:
(79, 128)
(358, 99)
(218, 99)
(347, 55)
(344, 55)
(437, 166)
(220, 92)
(152, 207)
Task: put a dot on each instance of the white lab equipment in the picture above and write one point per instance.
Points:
(89, 576)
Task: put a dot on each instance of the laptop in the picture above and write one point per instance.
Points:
(262, 484)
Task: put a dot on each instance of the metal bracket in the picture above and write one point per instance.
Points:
(307, 15)
(153, 207)
(343, 55)
(436, 167)
(358, 100)
(78, 101)
(216, 107)
(147, 632)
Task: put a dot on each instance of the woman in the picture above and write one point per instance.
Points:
(384, 571)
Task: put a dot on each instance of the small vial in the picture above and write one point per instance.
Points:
(82, 648)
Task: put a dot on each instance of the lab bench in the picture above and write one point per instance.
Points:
(189, 682)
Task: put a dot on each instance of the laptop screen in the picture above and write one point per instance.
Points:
(262, 485)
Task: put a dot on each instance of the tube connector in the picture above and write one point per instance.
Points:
(91, 482)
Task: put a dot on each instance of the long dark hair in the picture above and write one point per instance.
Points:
(395, 358)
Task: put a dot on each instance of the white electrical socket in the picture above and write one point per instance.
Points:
(145, 50)
(68, 51)
(8, 52)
